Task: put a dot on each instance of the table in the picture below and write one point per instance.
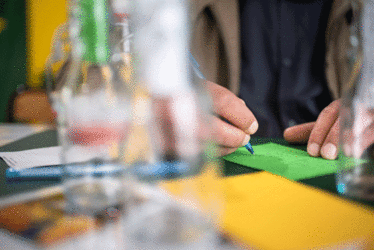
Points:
(23, 137)
(242, 180)
(325, 182)
(10, 132)
(26, 137)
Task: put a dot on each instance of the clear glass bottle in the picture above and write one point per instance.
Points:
(355, 177)
(177, 198)
(90, 89)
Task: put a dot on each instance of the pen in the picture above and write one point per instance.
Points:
(249, 148)
(164, 169)
(40, 173)
(52, 173)
(196, 67)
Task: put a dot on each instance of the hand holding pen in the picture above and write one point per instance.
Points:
(234, 121)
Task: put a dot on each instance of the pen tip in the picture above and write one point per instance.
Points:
(249, 148)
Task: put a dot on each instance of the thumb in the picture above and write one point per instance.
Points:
(299, 133)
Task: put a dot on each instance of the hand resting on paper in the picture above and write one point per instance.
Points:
(322, 135)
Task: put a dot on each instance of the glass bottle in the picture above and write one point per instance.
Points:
(177, 198)
(355, 177)
(90, 89)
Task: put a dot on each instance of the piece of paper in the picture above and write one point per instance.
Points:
(39, 157)
(288, 162)
(32, 158)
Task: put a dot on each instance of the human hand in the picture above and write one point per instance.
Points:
(322, 135)
(226, 105)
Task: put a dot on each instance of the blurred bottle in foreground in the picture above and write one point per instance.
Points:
(88, 77)
(355, 176)
(177, 199)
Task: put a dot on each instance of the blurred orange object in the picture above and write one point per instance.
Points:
(15, 218)
(31, 106)
(66, 228)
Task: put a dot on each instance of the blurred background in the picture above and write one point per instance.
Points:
(26, 30)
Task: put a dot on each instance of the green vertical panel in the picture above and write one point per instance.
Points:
(12, 49)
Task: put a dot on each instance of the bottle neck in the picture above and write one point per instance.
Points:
(161, 41)
(89, 30)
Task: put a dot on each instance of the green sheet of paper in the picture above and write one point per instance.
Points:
(291, 163)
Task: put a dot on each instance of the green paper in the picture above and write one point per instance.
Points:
(288, 162)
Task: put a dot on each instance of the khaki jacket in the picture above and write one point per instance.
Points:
(216, 43)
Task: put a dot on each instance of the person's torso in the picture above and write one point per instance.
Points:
(283, 57)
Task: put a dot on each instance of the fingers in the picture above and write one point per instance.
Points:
(229, 136)
(322, 136)
(225, 151)
(329, 149)
(242, 123)
(323, 139)
(232, 108)
(299, 133)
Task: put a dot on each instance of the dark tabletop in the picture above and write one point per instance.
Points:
(49, 138)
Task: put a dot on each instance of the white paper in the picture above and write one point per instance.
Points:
(44, 157)
(32, 158)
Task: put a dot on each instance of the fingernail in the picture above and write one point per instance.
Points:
(313, 149)
(329, 151)
(253, 128)
(246, 140)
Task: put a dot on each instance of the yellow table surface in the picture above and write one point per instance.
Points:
(270, 212)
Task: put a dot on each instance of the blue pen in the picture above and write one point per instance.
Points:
(30, 174)
(161, 169)
(249, 148)
(196, 68)
(54, 172)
